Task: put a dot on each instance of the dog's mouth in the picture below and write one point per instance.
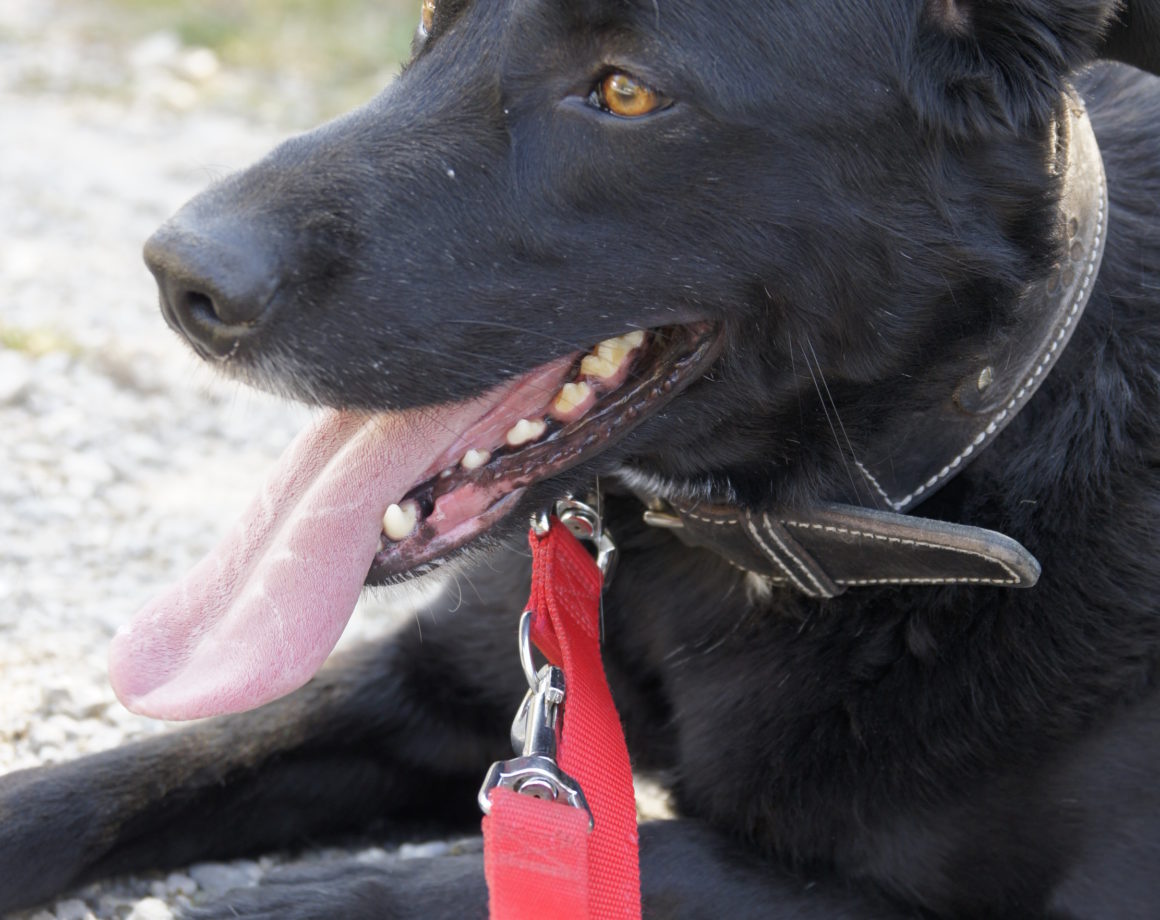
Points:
(542, 425)
(367, 499)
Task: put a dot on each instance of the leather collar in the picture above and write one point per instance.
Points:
(865, 538)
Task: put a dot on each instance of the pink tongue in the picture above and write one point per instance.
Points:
(258, 616)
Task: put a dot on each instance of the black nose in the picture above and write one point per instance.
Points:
(217, 285)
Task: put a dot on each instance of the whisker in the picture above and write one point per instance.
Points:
(458, 591)
(834, 405)
(826, 410)
(793, 371)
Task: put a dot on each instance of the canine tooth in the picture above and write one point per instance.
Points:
(633, 339)
(474, 459)
(400, 520)
(572, 396)
(525, 431)
(596, 366)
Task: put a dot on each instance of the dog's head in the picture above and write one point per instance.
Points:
(637, 237)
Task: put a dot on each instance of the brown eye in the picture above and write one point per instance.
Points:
(624, 95)
(426, 17)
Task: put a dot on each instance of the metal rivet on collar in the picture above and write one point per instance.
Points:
(662, 519)
(974, 392)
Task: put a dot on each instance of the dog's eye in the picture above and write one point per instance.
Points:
(426, 17)
(624, 95)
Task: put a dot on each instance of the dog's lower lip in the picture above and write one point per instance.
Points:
(456, 507)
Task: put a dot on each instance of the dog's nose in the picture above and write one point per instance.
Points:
(216, 287)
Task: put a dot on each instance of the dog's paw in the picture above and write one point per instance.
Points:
(449, 886)
(50, 830)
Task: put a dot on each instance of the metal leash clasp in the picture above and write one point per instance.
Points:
(535, 771)
(585, 523)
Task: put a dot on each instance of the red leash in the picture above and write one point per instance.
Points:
(543, 862)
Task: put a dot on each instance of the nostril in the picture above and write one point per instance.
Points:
(212, 311)
(200, 307)
(212, 308)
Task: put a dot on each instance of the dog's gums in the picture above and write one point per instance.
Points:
(593, 401)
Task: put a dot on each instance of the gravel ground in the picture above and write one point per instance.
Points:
(122, 458)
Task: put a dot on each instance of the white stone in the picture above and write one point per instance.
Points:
(423, 850)
(160, 49)
(151, 909)
(72, 909)
(217, 878)
(198, 64)
(179, 883)
(15, 376)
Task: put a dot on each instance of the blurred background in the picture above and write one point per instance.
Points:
(122, 458)
(288, 63)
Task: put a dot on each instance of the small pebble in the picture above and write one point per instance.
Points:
(178, 883)
(72, 910)
(423, 850)
(15, 377)
(218, 878)
(151, 909)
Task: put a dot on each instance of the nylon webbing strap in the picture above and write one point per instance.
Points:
(541, 859)
(535, 855)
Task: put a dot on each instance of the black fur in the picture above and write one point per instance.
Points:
(862, 183)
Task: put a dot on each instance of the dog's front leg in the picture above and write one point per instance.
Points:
(391, 733)
(688, 872)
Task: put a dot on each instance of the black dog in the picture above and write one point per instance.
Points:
(856, 237)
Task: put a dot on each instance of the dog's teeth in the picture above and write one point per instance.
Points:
(447, 473)
(614, 351)
(572, 396)
(525, 431)
(596, 366)
(474, 459)
(400, 520)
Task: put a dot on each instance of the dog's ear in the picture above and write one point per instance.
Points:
(987, 63)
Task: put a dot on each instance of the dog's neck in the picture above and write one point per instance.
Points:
(864, 537)
(912, 456)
